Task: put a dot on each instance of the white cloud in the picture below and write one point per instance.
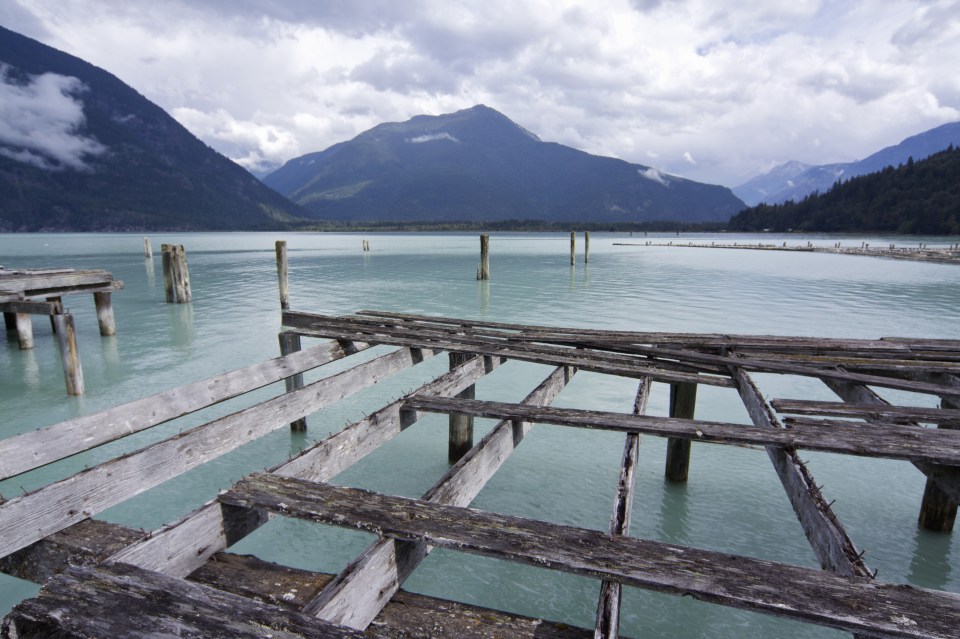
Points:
(40, 119)
(735, 84)
(688, 158)
(432, 138)
(654, 175)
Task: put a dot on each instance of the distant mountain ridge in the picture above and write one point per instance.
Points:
(82, 151)
(785, 183)
(916, 197)
(478, 165)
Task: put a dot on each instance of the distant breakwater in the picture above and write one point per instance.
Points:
(921, 253)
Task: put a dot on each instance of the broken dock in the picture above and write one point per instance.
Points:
(103, 579)
(28, 292)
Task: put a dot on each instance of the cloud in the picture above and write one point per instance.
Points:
(40, 119)
(432, 138)
(737, 85)
(654, 175)
(688, 158)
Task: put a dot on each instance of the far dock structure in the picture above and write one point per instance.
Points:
(920, 253)
(103, 579)
(28, 292)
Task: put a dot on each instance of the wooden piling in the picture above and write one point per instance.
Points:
(176, 276)
(683, 400)
(105, 318)
(938, 511)
(483, 271)
(10, 321)
(282, 274)
(461, 426)
(573, 247)
(69, 355)
(147, 249)
(586, 246)
(24, 331)
(290, 343)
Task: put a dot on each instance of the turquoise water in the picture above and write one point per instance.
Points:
(733, 501)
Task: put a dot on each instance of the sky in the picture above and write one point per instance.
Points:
(715, 91)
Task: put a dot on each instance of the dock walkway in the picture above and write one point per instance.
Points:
(105, 580)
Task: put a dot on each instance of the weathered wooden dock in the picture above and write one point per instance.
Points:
(921, 253)
(28, 292)
(104, 580)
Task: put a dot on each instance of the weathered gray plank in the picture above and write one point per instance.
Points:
(608, 605)
(827, 536)
(408, 615)
(31, 308)
(181, 547)
(846, 603)
(120, 600)
(874, 412)
(609, 363)
(893, 442)
(358, 593)
(25, 519)
(37, 448)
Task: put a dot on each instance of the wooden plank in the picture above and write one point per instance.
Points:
(29, 283)
(893, 442)
(108, 287)
(875, 412)
(612, 364)
(31, 308)
(358, 594)
(120, 600)
(43, 446)
(407, 615)
(608, 606)
(814, 596)
(181, 547)
(827, 536)
(25, 519)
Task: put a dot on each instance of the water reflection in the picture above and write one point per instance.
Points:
(930, 565)
(151, 274)
(182, 331)
(483, 291)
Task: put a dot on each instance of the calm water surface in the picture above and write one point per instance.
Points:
(733, 501)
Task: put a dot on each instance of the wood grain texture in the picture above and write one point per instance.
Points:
(847, 603)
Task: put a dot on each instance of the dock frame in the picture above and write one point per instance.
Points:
(102, 579)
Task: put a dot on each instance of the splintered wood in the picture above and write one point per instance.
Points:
(106, 580)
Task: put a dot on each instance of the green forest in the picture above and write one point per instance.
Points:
(914, 198)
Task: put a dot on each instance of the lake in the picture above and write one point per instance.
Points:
(733, 501)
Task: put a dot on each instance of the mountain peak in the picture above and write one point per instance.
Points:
(476, 165)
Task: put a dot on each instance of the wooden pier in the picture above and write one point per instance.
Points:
(28, 292)
(920, 253)
(103, 580)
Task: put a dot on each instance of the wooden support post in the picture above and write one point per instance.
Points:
(176, 276)
(282, 274)
(683, 400)
(573, 247)
(461, 426)
(53, 324)
(290, 343)
(10, 321)
(608, 608)
(938, 511)
(69, 355)
(586, 246)
(24, 331)
(108, 325)
(483, 271)
(147, 249)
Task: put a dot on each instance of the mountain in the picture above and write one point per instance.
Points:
(82, 151)
(478, 165)
(782, 183)
(917, 197)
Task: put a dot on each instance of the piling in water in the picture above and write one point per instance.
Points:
(483, 270)
(69, 355)
(461, 426)
(282, 274)
(176, 276)
(573, 247)
(683, 400)
(586, 246)
(105, 318)
(147, 249)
